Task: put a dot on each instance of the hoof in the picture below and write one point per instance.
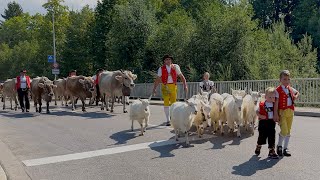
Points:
(66, 105)
(72, 109)
(11, 108)
(177, 139)
(102, 108)
(141, 134)
(111, 110)
(125, 111)
(83, 110)
(15, 108)
(107, 109)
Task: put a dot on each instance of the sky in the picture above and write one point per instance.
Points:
(35, 6)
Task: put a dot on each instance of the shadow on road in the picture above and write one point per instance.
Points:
(17, 116)
(122, 137)
(90, 115)
(165, 151)
(253, 165)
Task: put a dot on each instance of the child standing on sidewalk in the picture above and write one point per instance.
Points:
(284, 111)
(267, 124)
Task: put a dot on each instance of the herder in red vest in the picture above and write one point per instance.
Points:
(267, 125)
(168, 75)
(96, 82)
(284, 111)
(23, 86)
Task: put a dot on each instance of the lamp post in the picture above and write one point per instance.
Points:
(54, 41)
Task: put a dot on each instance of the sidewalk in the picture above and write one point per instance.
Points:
(299, 111)
(3, 175)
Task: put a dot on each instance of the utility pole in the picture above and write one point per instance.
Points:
(54, 43)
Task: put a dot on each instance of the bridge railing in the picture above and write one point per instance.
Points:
(309, 88)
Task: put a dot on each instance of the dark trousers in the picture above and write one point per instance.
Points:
(23, 95)
(267, 131)
(98, 93)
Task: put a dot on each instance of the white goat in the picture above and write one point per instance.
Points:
(232, 113)
(140, 111)
(216, 102)
(202, 118)
(181, 114)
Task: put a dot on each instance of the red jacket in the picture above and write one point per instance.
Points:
(19, 82)
(165, 74)
(96, 82)
(283, 98)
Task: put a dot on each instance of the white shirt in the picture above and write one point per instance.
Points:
(289, 100)
(208, 85)
(269, 111)
(23, 82)
(94, 77)
(176, 67)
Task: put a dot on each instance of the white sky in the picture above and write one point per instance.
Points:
(35, 6)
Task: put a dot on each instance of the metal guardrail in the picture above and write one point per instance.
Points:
(309, 88)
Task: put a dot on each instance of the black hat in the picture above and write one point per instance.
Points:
(23, 71)
(167, 56)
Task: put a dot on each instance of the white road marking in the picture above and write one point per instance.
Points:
(109, 151)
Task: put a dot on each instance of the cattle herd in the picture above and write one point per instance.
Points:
(203, 110)
(72, 88)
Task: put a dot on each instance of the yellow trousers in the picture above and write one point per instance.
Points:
(169, 94)
(286, 118)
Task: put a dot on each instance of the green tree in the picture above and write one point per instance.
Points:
(76, 53)
(126, 41)
(104, 13)
(13, 10)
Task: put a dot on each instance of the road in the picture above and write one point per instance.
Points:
(96, 145)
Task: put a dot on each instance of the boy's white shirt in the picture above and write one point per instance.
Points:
(289, 100)
(268, 104)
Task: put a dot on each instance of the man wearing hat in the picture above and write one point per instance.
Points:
(73, 73)
(22, 86)
(96, 82)
(168, 75)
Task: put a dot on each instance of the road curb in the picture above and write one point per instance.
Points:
(13, 167)
(3, 175)
(299, 112)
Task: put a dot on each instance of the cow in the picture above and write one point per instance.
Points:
(42, 88)
(60, 91)
(114, 83)
(79, 87)
(9, 90)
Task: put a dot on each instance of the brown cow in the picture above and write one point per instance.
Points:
(81, 87)
(9, 90)
(60, 91)
(41, 88)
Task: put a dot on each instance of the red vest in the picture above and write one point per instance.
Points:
(19, 82)
(165, 74)
(283, 98)
(262, 110)
(96, 82)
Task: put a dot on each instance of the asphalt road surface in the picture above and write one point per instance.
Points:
(98, 145)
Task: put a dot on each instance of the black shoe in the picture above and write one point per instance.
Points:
(279, 150)
(168, 124)
(257, 151)
(286, 152)
(27, 110)
(22, 109)
(272, 154)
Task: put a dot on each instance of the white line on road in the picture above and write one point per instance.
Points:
(109, 151)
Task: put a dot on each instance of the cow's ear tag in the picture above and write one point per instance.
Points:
(41, 85)
(81, 81)
(119, 78)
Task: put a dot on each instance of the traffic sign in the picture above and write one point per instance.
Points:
(55, 65)
(55, 71)
(50, 58)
